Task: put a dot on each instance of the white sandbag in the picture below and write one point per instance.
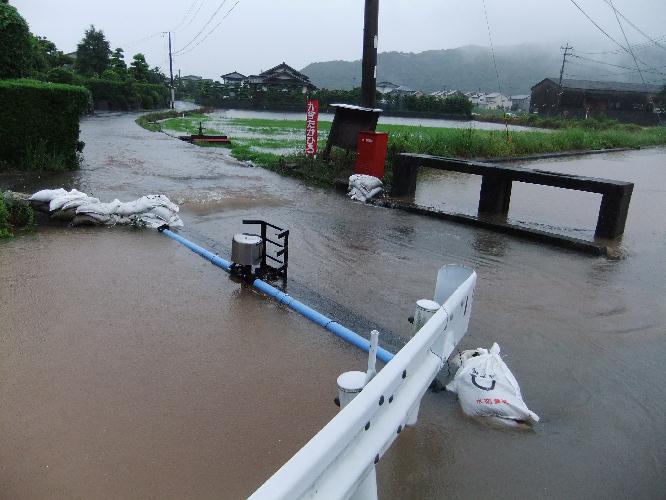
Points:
(368, 182)
(163, 213)
(92, 220)
(145, 204)
(152, 211)
(99, 208)
(77, 202)
(487, 389)
(152, 221)
(364, 187)
(58, 202)
(46, 195)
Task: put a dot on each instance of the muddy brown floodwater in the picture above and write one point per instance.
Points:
(132, 368)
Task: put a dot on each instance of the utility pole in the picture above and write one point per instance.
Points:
(173, 93)
(566, 50)
(369, 65)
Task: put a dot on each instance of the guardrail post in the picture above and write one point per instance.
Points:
(495, 195)
(404, 176)
(613, 212)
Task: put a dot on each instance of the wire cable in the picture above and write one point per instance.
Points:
(492, 48)
(212, 30)
(626, 40)
(210, 19)
(654, 42)
(189, 11)
(608, 36)
(654, 70)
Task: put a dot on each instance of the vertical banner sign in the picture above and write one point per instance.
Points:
(311, 121)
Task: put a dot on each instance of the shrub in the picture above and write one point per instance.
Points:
(129, 94)
(5, 227)
(39, 122)
(16, 45)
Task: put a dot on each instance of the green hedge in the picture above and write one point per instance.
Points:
(126, 95)
(39, 124)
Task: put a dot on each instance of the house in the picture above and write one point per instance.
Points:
(234, 78)
(190, 78)
(281, 77)
(628, 102)
(494, 100)
(386, 87)
(520, 102)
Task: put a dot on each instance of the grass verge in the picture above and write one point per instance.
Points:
(275, 144)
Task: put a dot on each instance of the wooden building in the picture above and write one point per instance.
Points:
(234, 78)
(281, 76)
(627, 102)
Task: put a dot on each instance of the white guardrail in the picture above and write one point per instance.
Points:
(339, 461)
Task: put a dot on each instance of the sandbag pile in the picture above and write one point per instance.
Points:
(151, 211)
(487, 389)
(364, 187)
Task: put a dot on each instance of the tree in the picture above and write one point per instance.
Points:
(92, 53)
(118, 63)
(16, 44)
(139, 68)
(46, 55)
(156, 76)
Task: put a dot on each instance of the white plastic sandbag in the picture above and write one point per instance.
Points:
(46, 195)
(59, 201)
(486, 388)
(364, 187)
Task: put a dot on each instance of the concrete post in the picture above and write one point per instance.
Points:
(613, 213)
(404, 177)
(495, 195)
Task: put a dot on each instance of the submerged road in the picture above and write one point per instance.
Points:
(131, 368)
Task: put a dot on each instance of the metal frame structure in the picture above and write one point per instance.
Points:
(267, 270)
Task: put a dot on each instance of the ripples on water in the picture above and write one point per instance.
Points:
(584, 336)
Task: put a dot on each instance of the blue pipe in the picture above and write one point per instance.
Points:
(335, 328)
(215, 259)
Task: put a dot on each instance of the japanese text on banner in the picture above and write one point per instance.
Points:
(311, 122)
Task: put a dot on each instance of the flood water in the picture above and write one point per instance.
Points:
(385, 120)
(132, 368)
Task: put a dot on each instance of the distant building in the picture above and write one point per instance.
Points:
(520, 102)
(628, 102)
(443, 94)
(234, 78)
(191, 78)
(494, 100)
(386, 87)
(281, 76)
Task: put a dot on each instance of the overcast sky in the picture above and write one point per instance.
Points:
(258, 34)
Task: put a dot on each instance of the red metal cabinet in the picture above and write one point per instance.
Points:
(371, 153)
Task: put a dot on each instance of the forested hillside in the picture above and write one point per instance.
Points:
(471, 68)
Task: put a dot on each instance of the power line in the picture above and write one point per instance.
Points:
(635, 47)
(634, 26)
(189, 11)
(140, 40)
(626, 40)
(653, 70)
(608, 36)
(195, 14)
(210, 19)
(492, 48)
(212, 30)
